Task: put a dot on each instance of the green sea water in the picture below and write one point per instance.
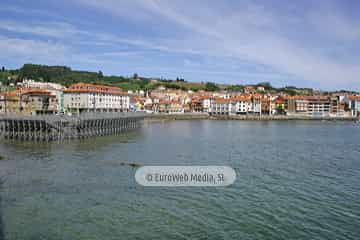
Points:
(295, 180)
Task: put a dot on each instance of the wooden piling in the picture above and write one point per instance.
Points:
(60, 128)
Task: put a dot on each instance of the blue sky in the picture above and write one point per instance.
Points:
(302, 43)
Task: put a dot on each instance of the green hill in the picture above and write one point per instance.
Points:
(66, 76)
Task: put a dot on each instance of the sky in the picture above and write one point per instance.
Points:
(298, 43)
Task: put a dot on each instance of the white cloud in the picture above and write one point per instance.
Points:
(52, 29)
(17, 47)
(24, 11)
(129, 9)
(44, 52)
(249, 35)
(289, 44)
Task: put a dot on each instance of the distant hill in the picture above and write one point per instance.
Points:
(66, 76)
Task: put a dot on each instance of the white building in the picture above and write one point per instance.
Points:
(255, 105)
(95, 98)
(206, 104)
(240, 105)
(220, 106)
(28, 83)
(354, 105)
(235, 105)
(261, 89)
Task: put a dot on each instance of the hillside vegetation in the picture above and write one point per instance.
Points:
(66, 76)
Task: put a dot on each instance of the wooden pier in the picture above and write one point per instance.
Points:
(61, 127)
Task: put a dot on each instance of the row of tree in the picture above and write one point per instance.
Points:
(66, 76)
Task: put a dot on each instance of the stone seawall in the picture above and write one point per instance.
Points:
(187, 116)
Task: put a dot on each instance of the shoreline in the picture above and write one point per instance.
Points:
(159, 117)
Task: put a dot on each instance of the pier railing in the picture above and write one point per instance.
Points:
(64, 127)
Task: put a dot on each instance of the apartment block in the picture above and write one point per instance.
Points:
(95, 98)
(308, 105)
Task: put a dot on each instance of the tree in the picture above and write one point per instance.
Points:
(100, 73)
(235, 88)
(211, 87)
(135, 76)
(3, 69)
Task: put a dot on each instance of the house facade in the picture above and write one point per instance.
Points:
(240, 105)
(308, 105)
(354, 105)
(220, 106)
(95, 98)
(28, 102)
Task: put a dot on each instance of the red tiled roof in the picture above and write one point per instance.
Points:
(354, 97)
(241, 98)
(222, 100)
(93, 88)
(26, 91)
(306, 97)
(279, 101)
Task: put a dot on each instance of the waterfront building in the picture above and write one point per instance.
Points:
(278, 105)
(338, 106)
(318, 106)
(55, 88)
(196, 105)
(151, 108)
(206, 104)
(308, 105)
(255, 104)
(83, 97)
(166, 106)
(169, 94)
(137, 103)
(133, 103)
(354, 105)
(28, 102)
(265, 105)
(186, 107)
(296, 105)
(236, 105)
(220, 106)
(240, 105)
